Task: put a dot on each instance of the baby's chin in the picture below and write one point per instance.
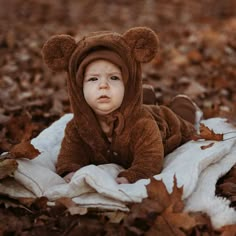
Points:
(104, 112)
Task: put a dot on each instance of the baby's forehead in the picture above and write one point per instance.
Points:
(102, 64)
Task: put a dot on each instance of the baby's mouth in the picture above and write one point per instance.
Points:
(104, 98)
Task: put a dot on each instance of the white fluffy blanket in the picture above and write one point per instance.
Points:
(94, 186)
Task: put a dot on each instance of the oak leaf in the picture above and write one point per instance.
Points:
(161, 213)
(157, 191)
(172, 219)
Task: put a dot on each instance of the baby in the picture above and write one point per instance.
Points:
(110, 123)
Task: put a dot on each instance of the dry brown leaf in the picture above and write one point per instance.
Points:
(26, 201)
(203, 225)
(229, 230)
(10, 39)
(195, 56)
(41, 203)
(203, 147)
(161, 227)
(208, 134)
(161, 213)
(206, 54)
(115, 216)
(17, 125)
(175, 220)
(7, 167)
(157, 191)
(24, 150)
(176, 197)
(71, 206)
(181, 220)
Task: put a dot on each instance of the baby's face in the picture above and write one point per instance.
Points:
(103, 87)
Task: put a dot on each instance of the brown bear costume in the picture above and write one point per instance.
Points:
(141, 134)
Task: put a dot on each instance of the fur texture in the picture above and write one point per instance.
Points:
(141, 135)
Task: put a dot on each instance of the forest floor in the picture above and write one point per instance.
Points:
(197, 57)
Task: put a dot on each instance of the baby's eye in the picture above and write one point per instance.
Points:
(114, 77)
(93, 79)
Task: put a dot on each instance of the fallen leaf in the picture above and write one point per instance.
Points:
(16, 126)
(156, 190)
(26, 201)
(176, 197)
(161, 213)
(203, 224)
(203, 147)
(161, 227)
(228, 230)
(205, 56)
(173, 217)
(195, 56)
(24, 150)
(7, 167)
(72, 207)
(115, 216)
(208, 134)
(181, 220)
(10, 39)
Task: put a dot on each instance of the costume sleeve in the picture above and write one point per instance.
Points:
(148, 152)
(72, 154)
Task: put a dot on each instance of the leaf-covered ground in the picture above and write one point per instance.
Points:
(197, 57)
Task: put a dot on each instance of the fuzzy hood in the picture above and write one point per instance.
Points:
(128, 50)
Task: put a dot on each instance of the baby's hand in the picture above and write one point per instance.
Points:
(122, 180)
(68, 177)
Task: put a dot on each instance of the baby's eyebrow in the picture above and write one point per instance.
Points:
(115, 72)
(111, 73)
(91, 74)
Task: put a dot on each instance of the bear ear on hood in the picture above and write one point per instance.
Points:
(143, 42)
(57, 51)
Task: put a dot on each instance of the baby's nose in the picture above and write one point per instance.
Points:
(103, 84)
